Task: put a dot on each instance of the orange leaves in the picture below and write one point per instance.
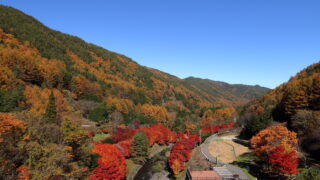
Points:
(207, 117)
(176, 167)
(8, 80)
(266, 140)
(51, 72)
(24, 172)
(28, 63)
(121, 105)
(81, 85)
(125, 147)
(277, 146)
(11, 128)
(159, 113)
(112, 164)
(159, 134)
(217, 116)
(38, 99)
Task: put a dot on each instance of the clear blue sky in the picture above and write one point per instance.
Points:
(237, 41)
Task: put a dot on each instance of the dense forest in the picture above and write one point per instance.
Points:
(295, 104)
(57, 93)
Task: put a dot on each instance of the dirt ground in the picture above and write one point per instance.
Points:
(226, 150)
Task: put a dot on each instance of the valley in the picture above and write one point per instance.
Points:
(74, 110)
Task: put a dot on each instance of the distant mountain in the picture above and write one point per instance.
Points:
(236, 94)
(38, 59)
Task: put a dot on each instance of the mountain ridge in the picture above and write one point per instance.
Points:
(86, 70)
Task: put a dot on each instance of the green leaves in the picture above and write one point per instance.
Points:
(10, 100)
(99, 114)
(51, 111)
(140, 148)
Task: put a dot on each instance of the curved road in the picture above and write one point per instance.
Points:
(209, 157)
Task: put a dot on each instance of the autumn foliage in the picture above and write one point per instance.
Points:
(283, 161)
(181, 152)
(11, 129)
(156, 133)
(277, 146)
(217, 128)
(111, 164)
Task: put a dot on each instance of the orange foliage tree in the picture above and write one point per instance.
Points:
(11, 133)
(277, 146)
(265, 141)
(159, 113)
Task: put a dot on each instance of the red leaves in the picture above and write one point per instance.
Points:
(123, 134)
(112, 164)
(156, 134)
(126, 147)
(277, 146)
(215, 129)
(284, 161)
(159, 134)
(181, 152)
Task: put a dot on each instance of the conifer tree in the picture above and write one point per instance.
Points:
(140, 148)
(51, 111)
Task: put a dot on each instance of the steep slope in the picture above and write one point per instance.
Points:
(297, 103)
(88, 79)
(237, 94)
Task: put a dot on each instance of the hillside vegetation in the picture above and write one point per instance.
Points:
(63, 101)
(296, 103)
(35, 59)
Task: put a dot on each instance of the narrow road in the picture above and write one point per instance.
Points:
(211, 158)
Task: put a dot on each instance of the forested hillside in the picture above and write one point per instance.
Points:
(297, 103)
(236, 94)
(37, 59)
(58, 94)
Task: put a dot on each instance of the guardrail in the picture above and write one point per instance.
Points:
(205, 144)
(205, 152)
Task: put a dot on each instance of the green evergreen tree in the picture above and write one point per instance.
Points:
(100, 113)
(51, 111)
(140, 148)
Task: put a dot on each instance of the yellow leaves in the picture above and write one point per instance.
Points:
(271, 137)
(207, 117)
(159, 113)
(81, 85)
(38, 99)
(8, 80)
(51, 71)
(190, 126)
(218, 116)
(121, 105)
(28, 63)
(176, 167)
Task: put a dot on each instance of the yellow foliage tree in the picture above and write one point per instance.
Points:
(159, 113)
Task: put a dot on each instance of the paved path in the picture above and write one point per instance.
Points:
(209, 157)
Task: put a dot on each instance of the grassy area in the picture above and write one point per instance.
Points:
(246, 162)
(226, 149)
(131, 169)
(100, 137)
